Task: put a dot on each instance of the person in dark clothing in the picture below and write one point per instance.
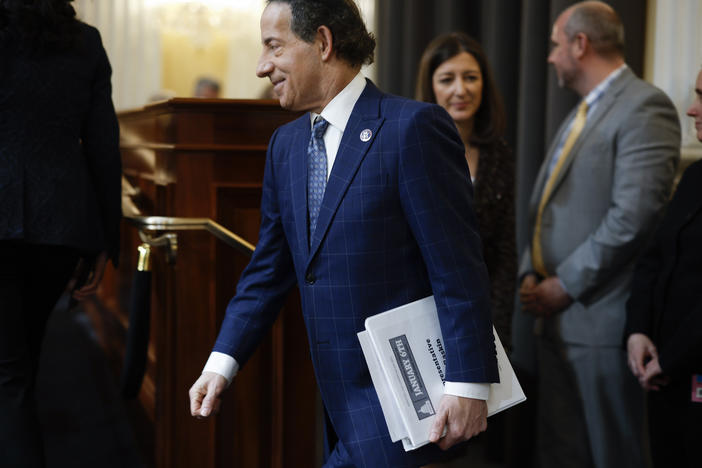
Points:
(60, 189)
(664, 321)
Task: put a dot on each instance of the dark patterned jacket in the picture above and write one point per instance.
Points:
(494, 207)
(60, 170)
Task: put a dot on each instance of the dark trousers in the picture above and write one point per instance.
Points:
(32, 278)
(675, 425)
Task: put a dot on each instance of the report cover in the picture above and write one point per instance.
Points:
(404, 351)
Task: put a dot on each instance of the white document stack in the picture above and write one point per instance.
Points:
(404, 351)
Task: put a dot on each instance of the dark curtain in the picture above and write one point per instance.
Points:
(516, 37)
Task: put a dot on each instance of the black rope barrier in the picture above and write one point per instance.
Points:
(139, 327)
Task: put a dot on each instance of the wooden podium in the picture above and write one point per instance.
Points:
(205, 159)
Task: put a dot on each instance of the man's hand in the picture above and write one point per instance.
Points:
(463, 418)
(545, 298)
(526, 290)
(205, 394)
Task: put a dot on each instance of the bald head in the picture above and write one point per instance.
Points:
(600, 23)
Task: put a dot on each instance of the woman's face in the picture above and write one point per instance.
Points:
(458, 86)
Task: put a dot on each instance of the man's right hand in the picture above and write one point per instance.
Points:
(205, 394)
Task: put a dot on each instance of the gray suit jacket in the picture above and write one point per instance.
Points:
(607, 198)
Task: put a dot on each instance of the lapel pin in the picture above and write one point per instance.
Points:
(366, 135)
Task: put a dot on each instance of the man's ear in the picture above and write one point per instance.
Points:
(579, 45)
(325, 42)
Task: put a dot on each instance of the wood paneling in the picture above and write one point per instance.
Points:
(205, 158)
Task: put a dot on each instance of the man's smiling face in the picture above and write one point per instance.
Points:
(293, 65)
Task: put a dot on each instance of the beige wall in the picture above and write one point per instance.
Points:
(222, 43)
(159, 48)
(674, 57)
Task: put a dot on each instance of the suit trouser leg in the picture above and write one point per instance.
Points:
(596, 405)
(31, 281)
(562, 440)
(614, 406)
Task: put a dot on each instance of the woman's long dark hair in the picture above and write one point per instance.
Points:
(37, 26)
(490, 119)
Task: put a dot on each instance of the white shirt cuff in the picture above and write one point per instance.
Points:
(477, 391)
(222, 364)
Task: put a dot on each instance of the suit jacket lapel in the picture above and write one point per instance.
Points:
(593, 120)
(298, 182)
(352, 150)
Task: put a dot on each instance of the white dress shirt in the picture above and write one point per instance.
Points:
(337, 113)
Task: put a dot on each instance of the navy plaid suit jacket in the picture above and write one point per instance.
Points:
(396, 225)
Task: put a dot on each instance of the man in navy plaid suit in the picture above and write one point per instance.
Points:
(366, 206)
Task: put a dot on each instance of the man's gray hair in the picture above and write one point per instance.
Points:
(602, 26)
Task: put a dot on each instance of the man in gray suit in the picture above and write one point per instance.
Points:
(599, 192)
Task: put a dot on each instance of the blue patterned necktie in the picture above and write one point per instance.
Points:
(316, 171)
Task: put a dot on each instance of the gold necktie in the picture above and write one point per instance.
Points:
(537, 258)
